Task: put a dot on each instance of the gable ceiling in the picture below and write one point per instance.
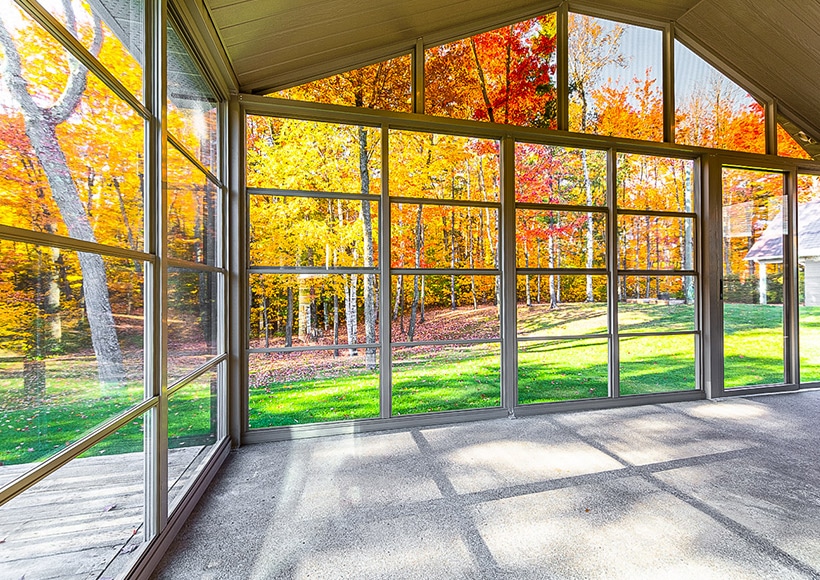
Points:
(277, 43)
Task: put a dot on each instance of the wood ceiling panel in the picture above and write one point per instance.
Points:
(775, 47)
(658, 9)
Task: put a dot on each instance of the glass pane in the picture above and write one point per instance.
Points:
(656, 303)
(192, 106)
(193, 320)
(192, 431)
(561, 305)
(446, 378)
(435, 236)
(312, 156)
(312, 387)
(118, 44)
(444, 308)
(560, 239)
(615, 79)
(562, 370)
(657, 364)
(71, 346)
(312, 309)
(444, 166)
(808, 257)
(655, 243)
(502, 76)
(655, 183)
(752, 277)
(552, 174)
(313, 232)
(788, 146)
(384, 85)
(711, 110)
(84, 178)
(192, 211)
(85, 520)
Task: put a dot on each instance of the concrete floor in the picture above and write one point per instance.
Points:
(710, 489)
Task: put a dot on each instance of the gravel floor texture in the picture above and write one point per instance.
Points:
(722, 489)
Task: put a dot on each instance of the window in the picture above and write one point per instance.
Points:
(444, 258)
(314, 278)
(83, 264)
(753, 277)
(195, 270)
(808, 268)
(615, 73)
(501, 76)
(561, 279)
(657, 277)
(384, 85)
(711, 110)
(788, 146)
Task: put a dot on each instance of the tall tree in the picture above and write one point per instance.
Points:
(41, 124)
(591, 49)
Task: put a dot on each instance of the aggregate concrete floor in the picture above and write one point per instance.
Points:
(710, 489)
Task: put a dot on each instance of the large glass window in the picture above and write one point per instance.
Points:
(788, 146)
(192, 106)
(83, 258)
(113, 33)
(808, 267)
(385, 85)
(314, 271)
(615, 73)
(753, 277)
(444, 215)
(85, 519)
(713, 111)
(81, 176)
(657, 276)
(561, 281)
(501, 76)
(65, 366)
(195, 270)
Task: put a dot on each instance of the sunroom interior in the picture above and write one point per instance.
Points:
(210, 206)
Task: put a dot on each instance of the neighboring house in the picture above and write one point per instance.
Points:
(769, 249)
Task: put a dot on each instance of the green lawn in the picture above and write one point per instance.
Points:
(35, 426)
(307, 388)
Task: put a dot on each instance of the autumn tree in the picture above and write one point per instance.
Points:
(41, 127)
(591, 50)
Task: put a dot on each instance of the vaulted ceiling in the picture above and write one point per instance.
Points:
(274, 43)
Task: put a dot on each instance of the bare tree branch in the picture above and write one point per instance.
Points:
(12, 71)
(78, 74)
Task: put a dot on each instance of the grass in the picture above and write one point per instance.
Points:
(312, 387)
(35, 426)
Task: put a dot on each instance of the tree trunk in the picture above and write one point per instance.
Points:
(538, 277)
(335, 323)
(41, 129)
(289, 323)
(452, 253)
(494, 249)
(527, 276)
(590, 229)
(352, 311)
(421, 302)
(369, 279)
(265, 322)
(411, 329)
(553, 297)
(304, 311)
(397, 300)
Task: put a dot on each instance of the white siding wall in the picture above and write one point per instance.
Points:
(812, 282)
